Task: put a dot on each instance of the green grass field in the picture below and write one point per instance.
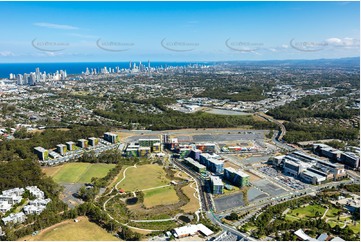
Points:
(77, 172)
(71, 231)
(307, 212)
(143, 177)
(160, 196)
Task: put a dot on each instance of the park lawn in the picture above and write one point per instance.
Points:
(78, 172)
(165, 225)
(69, 230)
(51, 171)
(334, 221)
(143, 177)
(193, 204)
(308, 211)
(332, 212)
(96, 170)
(160, 196)
(355, 228)
(291, 218)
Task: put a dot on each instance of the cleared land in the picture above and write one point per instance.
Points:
(77, 172)
(143, 177)
(193, 204)
(69, 230)
(160, 196)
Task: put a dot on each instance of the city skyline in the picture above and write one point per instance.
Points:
(177, 31)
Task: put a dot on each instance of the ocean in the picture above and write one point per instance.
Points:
(78, 67)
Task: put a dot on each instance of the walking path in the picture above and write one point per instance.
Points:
(147, 189)
(324, 214)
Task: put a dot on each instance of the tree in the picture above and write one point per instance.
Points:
(232, 216)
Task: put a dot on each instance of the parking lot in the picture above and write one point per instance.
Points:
(285, 180)
(69, 194)
(254, 194)
(269, 187)
(229, 202)
(245, 135)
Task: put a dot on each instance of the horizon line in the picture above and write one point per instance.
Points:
(184, 61)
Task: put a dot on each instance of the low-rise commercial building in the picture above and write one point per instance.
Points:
(206, 148)
(338, 170)
(311, 176)
(191, 230)
(350, 159)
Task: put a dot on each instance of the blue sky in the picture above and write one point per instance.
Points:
(177, 31)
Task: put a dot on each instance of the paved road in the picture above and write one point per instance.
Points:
(271, 119)
(225, 227)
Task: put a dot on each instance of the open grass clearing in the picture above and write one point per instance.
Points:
(165, 225)
(68, 230)
(77, 172)
(143, 177)
(193, 204)
(309, 211)
(160, 196)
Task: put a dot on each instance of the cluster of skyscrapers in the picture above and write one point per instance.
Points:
(133, 68)
(33, 78)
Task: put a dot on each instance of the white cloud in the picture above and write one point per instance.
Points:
(83, 36)
(334, 41)
(344, 42)
(56, 26)
(284, 46)
(6, 53)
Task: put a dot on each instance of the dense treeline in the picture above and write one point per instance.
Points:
(297, 131)
(298, 109)
(170, 119)
(234, 93)
(301, 132)
(13, 149)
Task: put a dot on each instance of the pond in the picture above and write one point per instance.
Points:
(131, 201)
(184, 219)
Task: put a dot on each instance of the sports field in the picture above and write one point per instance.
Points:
(143, 177)
(69, 230)
(77, 172)
(160, 196)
